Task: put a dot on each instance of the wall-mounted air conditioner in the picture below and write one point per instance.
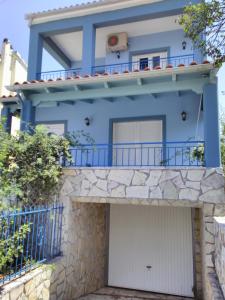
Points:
(117, 42)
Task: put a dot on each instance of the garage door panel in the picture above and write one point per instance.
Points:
(143, 236)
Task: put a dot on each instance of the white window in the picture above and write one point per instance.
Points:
(151, 60)
(55, 128)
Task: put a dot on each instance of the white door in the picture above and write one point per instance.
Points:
(150, 60)
(137, 143)
(150, 248)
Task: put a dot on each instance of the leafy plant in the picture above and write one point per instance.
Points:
(30, 166)
(30, 173)
(11, 243)
(222, 142)
(198, 153)
(204, 24)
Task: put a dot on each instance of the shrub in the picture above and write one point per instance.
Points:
(30, 166)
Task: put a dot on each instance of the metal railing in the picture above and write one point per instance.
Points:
(168, 154)
(59, 74)
(110, 69)
(150, 64)
(33, 235)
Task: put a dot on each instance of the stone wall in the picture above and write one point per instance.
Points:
(81, 268)
(190, 186)
(220, 250)
(197, 253)
(84, 193)
(32, 286)
(211, 285)
(213, 290)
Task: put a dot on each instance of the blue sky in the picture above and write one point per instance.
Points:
(14, 27)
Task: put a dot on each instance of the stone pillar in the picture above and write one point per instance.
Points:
(211, 285)
(88, 52)
(211, 126)
(6, 117)
(196, 218)
(35, 55)
(27, 115)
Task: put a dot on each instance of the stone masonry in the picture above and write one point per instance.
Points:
(32, 286)
(178, 187)
(86, 194)
(219, 223)
(81, 268)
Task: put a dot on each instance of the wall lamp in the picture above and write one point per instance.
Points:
(184, 45)
(118, 54)
(184, 116)
(87, 121)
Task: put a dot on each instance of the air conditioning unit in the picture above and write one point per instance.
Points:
(117, 42)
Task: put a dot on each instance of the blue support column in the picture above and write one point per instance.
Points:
(35, 55)
(27, 116)
(211, 125)
(6, 117)
(88, 52)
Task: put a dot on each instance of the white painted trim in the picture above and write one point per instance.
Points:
(113, 78)
(83, 10)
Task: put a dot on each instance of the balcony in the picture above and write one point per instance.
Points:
(158, 154)
(123, 68)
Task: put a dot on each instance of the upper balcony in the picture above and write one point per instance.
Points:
(147, 35)
(143, 64)
(158, 75)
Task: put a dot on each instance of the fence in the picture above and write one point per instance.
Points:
(130, 66)
(139, 154)
(28, 237)
(148, 64)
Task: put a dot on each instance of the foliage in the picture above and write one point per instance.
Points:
(204, 24)
(30, 172)
(11, 242)
(222, 141)
(30, 165)
(198, 153)
(77, 137)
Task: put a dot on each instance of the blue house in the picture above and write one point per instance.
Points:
(133, 80)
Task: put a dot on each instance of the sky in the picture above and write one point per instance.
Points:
(14, 27)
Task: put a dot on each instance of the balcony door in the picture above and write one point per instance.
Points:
(150, 60)
(137, 143)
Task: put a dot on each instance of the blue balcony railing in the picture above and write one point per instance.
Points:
(35, 233)
(168, 154)
(151, 64)
(59, 74)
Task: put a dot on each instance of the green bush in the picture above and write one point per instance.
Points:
(30, 168)
(11, 243)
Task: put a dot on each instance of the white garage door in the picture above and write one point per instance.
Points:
(150, 248)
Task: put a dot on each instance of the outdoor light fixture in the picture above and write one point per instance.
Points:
(118, 54)
(87, 121)
(184, 45)
(184, 116)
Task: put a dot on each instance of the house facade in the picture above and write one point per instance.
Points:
(140, 199)
(12, 69)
